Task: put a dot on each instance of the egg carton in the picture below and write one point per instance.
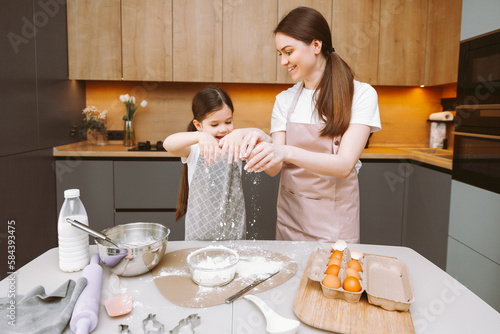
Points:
(389, 284)
(386, 280)
(316, 272)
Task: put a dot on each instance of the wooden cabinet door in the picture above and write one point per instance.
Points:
(443, 41)
(249, 51)
(284, 7)
(402, 43)
(197, 44)
(355, 35)
(147, 40)
(94, 40)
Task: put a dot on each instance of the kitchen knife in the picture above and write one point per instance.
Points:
(248, 288)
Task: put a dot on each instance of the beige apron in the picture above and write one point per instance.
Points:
(313, 207)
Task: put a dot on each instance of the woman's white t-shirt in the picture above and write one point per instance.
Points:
(364, 108)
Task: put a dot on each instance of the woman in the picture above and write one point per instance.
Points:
(319, 128)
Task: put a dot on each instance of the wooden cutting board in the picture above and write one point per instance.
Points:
(314, 309)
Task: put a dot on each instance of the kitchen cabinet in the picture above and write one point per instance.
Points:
(146, 184)
(94, 40)
(120, 192)
(261, 197)
(473, 247)
(381, 196)
(39, 105)
(479, 17)
(146, 40)
(355, 35)
(249, 50)
(94, 178)
(197, 40)
(427, 212)
(17, 82)
(404, 203)
(166, 218)
(402, 42)
(443, 41)
(386, 42)
(148, 191)
(285, 6)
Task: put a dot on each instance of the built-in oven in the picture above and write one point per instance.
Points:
(476, 152)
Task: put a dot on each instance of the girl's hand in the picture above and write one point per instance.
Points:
(264, 156)
(250, 140)
(209, 148)
(230, 143)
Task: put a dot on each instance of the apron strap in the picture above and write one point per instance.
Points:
(294, 103)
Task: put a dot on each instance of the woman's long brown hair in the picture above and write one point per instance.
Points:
(205, 102)
(335, 90)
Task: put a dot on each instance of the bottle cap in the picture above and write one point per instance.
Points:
(71, 193)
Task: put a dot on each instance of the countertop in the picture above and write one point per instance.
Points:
(115, 149)
(442, 304)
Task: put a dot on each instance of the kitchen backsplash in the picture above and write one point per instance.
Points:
(403, 110)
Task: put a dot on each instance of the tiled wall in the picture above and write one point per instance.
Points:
(403, 110)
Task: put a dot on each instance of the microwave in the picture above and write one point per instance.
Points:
(478, 81)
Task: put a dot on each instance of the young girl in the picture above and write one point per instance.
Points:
(210, 194)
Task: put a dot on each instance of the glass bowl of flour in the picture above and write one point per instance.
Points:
(213, 266)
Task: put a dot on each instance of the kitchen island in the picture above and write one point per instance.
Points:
(442, 304)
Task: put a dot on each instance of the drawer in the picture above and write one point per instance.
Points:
(475, 271)
(474, 219)
(146, 184)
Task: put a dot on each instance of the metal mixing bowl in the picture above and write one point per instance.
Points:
(142, 245)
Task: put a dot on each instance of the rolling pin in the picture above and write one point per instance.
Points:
(86, 312)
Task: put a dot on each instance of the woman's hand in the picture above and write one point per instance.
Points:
(209, 147)
(251, 139)
(240, 143)
(265, 156)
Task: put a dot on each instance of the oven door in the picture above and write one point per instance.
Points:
(476, 160)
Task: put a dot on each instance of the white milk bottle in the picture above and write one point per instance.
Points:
(73, 242)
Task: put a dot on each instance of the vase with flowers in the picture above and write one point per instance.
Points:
(128, 133)
(94, 126)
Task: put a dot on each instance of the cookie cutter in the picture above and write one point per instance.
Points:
(192, 321)
(123, 329)
(151, 325)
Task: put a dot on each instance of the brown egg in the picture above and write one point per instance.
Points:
(331, 281)
(332, 270)
(334, 260)
(337, 254)
(351, 284)
(355, 265)
(352, 272)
